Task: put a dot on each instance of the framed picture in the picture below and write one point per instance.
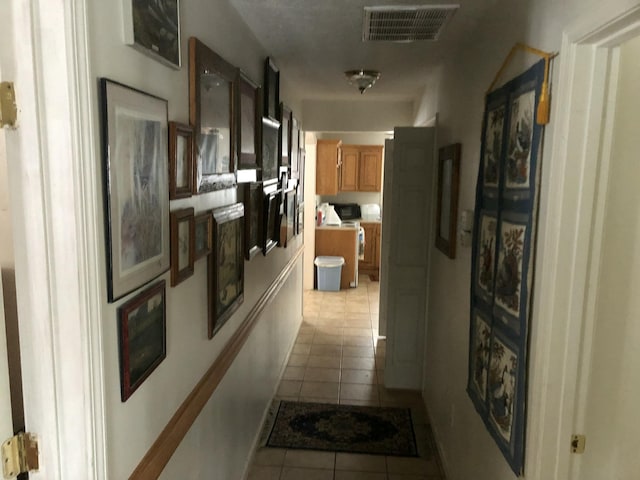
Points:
(272, 217)
(287, 225)
(247, 123)
(447, 209)
(301, 160)
(182, 245)
(154, 28)
(211, 112)
(135, 166)
(203, 235)
(300, 219)
(180, 160)
(142, 335)
(284, 144)
(269, 149)
(271, 89)
(226, 266)
(295, 146)
(253, 212)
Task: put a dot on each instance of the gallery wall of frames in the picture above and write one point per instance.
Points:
(241, 136)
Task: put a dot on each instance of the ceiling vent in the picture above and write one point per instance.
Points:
(405, 23)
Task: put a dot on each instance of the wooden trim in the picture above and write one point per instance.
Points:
(154, 461)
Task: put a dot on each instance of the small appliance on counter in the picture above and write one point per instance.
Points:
(347, 211)
(333, 219)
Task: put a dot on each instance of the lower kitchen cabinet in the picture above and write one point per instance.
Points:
(370, 264)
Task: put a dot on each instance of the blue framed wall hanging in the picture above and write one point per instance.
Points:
(502, 260)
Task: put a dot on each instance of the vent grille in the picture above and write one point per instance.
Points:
(405, 23)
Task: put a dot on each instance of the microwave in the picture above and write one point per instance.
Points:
(347, 211)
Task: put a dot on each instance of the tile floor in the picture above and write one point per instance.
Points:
(338, 358)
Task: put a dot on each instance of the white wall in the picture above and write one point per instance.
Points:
(356, 116)
(309, 209)
(468, 450)
(223, 435)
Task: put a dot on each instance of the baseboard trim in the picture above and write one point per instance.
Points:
(157, 457)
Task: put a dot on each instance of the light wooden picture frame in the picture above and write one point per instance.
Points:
(182, 245)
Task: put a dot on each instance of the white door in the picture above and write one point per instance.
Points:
(384, 249)
(612, 385)
(52, 173)
(409, 239)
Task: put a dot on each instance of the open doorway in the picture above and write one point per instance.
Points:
(351, 153)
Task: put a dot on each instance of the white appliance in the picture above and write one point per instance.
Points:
(359, 246)
(370, 212)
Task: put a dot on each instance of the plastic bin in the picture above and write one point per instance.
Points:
(329, 270)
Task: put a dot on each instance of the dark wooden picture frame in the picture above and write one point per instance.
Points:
(269, 149)
(272, 218)
(180, 160)
(300, 219)
(447, 207)
(226, 266)
(253, 213)
(301, 161)
(212, 84)
(182, 244)
(134, 144)
(284, 140)
(203, 236)
(288, 222)
(247, 122)
(271, 89)
(295, 146)
(142, 335)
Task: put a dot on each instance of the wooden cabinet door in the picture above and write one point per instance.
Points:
(376, 246)
(327, 163)
(370, 246)
(370, 170)
(349, 173)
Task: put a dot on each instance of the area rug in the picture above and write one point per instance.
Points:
(343, 428)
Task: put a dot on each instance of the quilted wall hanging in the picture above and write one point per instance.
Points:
(502, 260)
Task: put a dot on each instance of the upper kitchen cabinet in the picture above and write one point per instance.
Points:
(328, 162)
(361, 168)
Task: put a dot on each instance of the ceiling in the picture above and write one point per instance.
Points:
(314, 41)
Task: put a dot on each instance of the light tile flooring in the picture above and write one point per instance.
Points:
(338, 358)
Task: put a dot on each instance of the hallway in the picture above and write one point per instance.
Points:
(338, 358)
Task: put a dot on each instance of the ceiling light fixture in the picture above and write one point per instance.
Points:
(363, 79)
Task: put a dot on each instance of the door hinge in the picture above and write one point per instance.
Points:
(8, 108)
(19, 455)
(578, 443)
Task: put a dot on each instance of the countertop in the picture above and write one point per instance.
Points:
(349, 223)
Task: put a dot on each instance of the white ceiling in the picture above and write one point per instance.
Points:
(314, 41)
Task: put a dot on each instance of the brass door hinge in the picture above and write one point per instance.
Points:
(578, 443)
(8, 108)
(19, 455)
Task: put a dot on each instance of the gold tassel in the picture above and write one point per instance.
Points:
(544, 102)
(542, 116)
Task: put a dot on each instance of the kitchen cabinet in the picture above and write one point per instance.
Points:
(361, 169)
(328, 160)
(370, 264)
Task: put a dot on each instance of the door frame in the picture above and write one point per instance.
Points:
(54, 190)
(578, 172)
